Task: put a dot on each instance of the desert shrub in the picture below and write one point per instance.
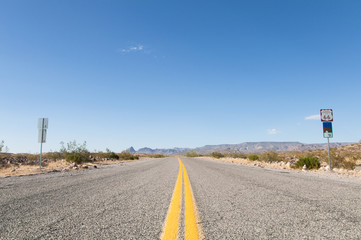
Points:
(270, 156)
(112, 155)
(99, 154)
(341, 160)
(3, 148)
(253, 157)
(54, 155)
(310, 162)
(74, 152)
(158, 155)
(126, 155)
(76, 158)
(217, 155)
(29, 157)
(348, 164)
(236, 155)
(191, 154)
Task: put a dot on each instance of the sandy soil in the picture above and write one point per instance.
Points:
(283, 165)
(56, 166)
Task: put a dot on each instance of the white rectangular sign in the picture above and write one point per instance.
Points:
(326, 115)
(42, 132)
(40, 123)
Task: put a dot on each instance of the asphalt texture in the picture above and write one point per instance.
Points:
(127, 201)
(131, 200)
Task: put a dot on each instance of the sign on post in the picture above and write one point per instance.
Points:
(326, 115)
(42, 129)
(327, 130)
(327, 119)
(42, 135)
(40, 123)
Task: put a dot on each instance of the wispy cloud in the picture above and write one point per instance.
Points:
(137, 48)
(313, 117)
(273, 131)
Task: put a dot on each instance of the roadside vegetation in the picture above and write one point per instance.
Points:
(69, 153)
(310, 162)
(217, 155)
(74, 152)
(157, 155)
(3, 148)
(126, 155)
(270, 156)
(253, 157)
(192, 154)
(343, 157)
(236, 155)
(108, 154)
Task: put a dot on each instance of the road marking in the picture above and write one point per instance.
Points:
(193, 231)
(170, 231)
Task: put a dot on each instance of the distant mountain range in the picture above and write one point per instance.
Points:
(246, 147)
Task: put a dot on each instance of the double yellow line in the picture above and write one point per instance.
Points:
(171, 227)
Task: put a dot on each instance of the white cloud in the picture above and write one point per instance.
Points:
(272, 131)
(313, 117)
(136, 48)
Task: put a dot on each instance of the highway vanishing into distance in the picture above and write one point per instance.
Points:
(179, 197)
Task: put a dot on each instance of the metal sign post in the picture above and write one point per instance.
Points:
(329, 155)
(327, 119)
(42, 126)
(328, 133)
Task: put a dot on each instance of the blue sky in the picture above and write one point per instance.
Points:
(178, 73)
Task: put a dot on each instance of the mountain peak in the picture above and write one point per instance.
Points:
(131, 150)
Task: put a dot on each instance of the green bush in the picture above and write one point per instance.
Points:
(270, 156)
(126, 155)
(112, 155)
(76, 158)
(310, 162)
(217, 155)
(253, 157)
(191, 154)
(158, 155)
(74, 152)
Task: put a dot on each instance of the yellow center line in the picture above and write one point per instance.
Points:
(170, 231)
(191, 229)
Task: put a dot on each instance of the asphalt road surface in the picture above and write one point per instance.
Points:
(132, 200)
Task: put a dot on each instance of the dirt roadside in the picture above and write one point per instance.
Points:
(54, 166)
(287, 166)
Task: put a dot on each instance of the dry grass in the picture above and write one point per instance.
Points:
(343, 157)
(52, 166)
(33, 169)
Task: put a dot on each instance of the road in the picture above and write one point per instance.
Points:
(133, 201)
